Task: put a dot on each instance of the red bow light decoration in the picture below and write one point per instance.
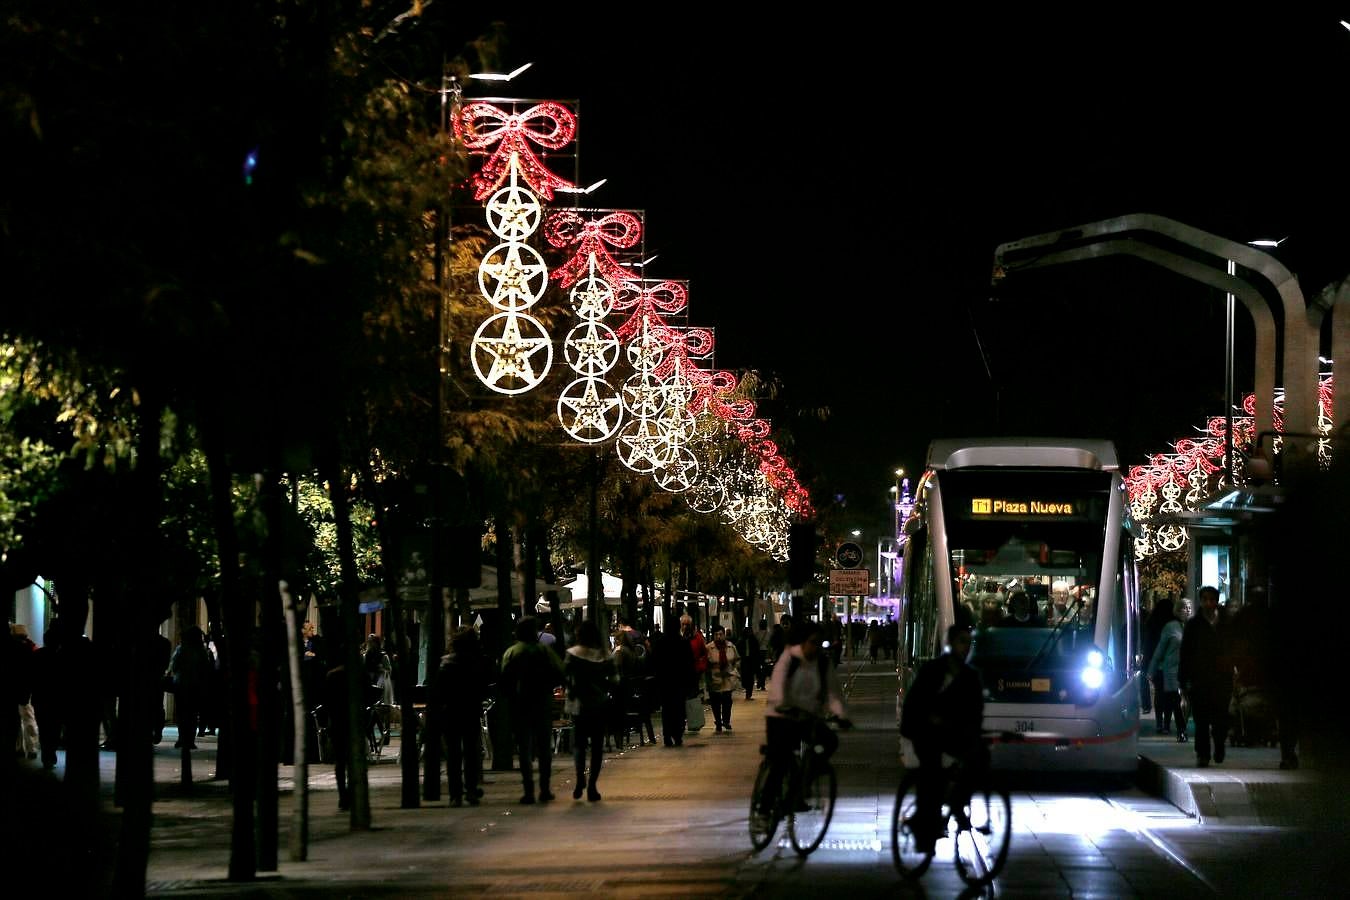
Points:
(618, 229)
(550, 125)
(648, 303)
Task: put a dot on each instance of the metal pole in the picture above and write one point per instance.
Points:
(593, 576)
(1228, 382)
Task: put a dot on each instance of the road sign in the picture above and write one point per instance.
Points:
(849, 582)
(849, 556)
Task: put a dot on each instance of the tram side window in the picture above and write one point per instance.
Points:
(921, 602)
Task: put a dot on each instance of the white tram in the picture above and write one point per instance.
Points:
(1028, 539)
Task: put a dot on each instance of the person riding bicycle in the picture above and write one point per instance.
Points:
(803, 690)
(943, 713)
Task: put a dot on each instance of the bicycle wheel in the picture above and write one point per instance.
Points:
(909, 860)
(764, 810)
(807, 823)
(982, 847)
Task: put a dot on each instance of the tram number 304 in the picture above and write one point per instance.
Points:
(1023, 726)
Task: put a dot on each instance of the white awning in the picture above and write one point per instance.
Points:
(485, 595)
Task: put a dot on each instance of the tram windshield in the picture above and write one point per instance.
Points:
(1025, 559)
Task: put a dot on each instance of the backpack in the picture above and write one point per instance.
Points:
(532, 675)
(823, 664)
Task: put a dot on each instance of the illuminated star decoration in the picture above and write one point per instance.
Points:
(511, 351)
(590, 408)
(511, 367)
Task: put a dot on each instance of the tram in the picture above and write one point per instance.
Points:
(1028, 540)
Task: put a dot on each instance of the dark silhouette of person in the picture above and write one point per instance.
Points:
(943, 713)
(750, 661)
(47, 695)
(161, 651)
(461, 686)
(191, 669)
(673, 667)
(1161, 613)
(339, 731)
(80, 668)
(530, 672)
(590, 675)
(1206, 674)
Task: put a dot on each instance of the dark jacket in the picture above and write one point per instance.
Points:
(673, 665)
(1206, 670)
(590, 676)
(530, 672)
(463, 683)
(190, 665)
(948, 720)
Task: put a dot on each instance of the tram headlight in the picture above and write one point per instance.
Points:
(1093, 675)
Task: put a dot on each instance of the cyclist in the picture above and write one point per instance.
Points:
(803, 689)
(942, 714)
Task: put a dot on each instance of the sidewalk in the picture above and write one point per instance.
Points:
(671, 822)
(1247, 788)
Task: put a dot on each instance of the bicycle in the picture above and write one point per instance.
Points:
(485, 739)
(979, 827)
(808, 809)
(377, 726)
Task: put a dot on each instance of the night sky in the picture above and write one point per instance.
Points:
(834, 189)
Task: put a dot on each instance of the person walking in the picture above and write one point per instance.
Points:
(461, 687)
(190, 668)
(1164, 664)
(766, 653)
(834, 637)
(1163, 611)
(161, 652)
(529, 673)
(698, 646)
(47, 696)
(379, 675)
(335, 695)
(723, 673)
(673, 667)
(749, 654)
(777, 643)
(630, 706)
(1205, 673)
(590, 675)
(25, 654)
(873, 640)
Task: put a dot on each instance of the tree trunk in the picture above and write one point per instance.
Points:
(135, 755)
(431, 738)
(271, 640)
(238, 618)
(529, 575)
(406, 667)
(298, 844)
(336, 476)
(219, 696)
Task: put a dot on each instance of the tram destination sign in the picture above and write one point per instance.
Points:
(849, 583)
(1029, 506)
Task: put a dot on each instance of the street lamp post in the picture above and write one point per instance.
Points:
(1230, 314)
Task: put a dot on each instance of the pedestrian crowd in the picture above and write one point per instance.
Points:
(1220, 673)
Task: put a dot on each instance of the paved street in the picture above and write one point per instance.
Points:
(673, 823)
